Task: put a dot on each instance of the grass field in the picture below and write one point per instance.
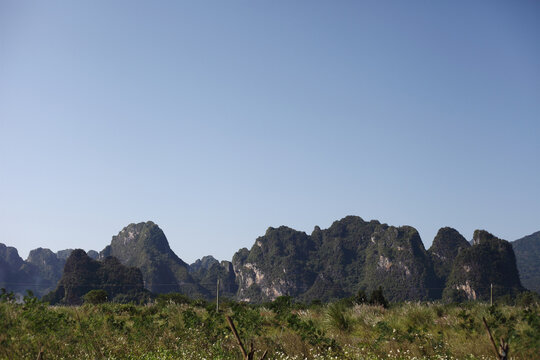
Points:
(194, 330)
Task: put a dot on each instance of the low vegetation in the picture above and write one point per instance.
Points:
(175, 327)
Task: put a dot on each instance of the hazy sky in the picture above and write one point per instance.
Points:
(218, 119)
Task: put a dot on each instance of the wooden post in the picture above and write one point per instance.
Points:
(491, 295)
(217, 296)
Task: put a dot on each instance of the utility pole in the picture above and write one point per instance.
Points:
(217, 296)
(491, 296)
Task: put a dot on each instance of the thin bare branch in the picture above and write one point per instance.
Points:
(233, 328)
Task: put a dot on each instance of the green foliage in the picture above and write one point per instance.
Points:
(377, 298)
(134, 297)
(191, 319)
(173, 298)
(310, 333)
(6, 296)
(361, 297)
(467, 321)
(338, 317)
(528, 299)
(184, 331)
(281, 305)
(95, 297)
(248, 319)
(531, 334)
(452, 295)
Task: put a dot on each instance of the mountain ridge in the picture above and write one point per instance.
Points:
(527, 250)
(351, 255)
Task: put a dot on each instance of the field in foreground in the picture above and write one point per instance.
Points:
(174, 330)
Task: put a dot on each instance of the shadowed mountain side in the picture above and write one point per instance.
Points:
(527, 250)
(12, 276)
(489, 260)
(444, 249)
(40, 272)
(83, 274)
(208, 276)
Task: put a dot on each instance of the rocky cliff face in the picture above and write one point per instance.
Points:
(63, 254)
(145, 246)
(276, 265)
(350, 255)
(397, 260)
(83, 274)
(527, 250)
(489, 260)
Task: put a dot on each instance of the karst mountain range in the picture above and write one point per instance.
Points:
(351, 255)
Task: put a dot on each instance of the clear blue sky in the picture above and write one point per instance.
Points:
(218, 119)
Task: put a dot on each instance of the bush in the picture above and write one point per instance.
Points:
(338, 317)
(172, 298)
(527, 299)
(6, 296)
(361, 297)
(96, 297)
(377, 298)
(281, 305)
(134, 297)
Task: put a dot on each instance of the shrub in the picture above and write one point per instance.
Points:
(191, 319)
(281, 305)
(338, 317)
(95, 297)
(7, 296)
(377, 298)
(172, 298)
(527, 299)
(361, 297)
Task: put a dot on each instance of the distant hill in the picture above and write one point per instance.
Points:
(208, 270)
(203, 264)
(49, 269)
(489, 260)
(13, 276)
(83, 274)
(355, 255)
(351, 255)
(527, 250)
(145, 246)
(444, 249)
(40, 272)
